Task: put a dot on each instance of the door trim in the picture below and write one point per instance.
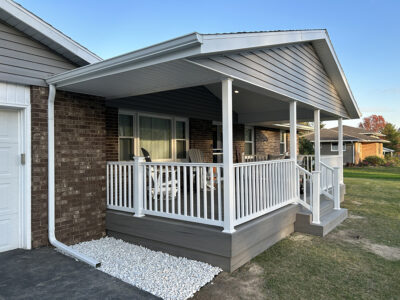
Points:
(24, 146)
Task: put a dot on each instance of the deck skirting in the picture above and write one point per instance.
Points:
(203, 242)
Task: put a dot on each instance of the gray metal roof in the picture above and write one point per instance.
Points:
(17, 16)
(349, 134)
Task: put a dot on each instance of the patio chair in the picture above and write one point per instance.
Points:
(157, 182)
(196, 156)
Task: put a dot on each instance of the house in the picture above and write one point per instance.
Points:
(358, 143)
(75, 130)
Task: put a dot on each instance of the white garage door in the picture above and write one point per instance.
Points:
(9, 181)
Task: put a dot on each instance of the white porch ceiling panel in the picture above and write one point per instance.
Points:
(294, 71)
(156, 78)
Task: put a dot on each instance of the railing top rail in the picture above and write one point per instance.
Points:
(253, 163)
(188, 164)
(303, 170)
(166, 164)
(326, 166)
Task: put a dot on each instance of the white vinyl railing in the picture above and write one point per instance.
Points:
(307, 162)
(334, 161)
(194, 191)
(254, 157)
(184, 191)
(304, 188)
(326, 182)
(120, 186)
(261, 187)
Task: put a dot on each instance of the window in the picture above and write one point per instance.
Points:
(334, 147)
(282, 148)
(125, 137)
(164, 137)
(180, 139)
(248, 140)
(155, 136)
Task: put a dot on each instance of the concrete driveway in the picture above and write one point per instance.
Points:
(46, 274)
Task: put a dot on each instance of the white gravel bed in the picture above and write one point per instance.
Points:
(161, 274)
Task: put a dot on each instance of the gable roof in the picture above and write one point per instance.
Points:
(356, 130)
(350, 134)
(195, 45)
(25, 21)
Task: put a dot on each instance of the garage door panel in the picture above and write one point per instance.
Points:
(9, 233)
(9, 181)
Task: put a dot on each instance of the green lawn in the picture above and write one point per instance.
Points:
(356, 261)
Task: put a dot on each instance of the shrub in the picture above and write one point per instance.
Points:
(392, 161)
(373, 161)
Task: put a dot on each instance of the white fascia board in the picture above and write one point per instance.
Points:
(327, 54)
(181, 47)
(37, 24)
(215, 43)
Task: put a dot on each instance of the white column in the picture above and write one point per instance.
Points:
(340, 148)
(317, 141)
(138, 189)
(227, 145)
(293, 130)
(316, 175)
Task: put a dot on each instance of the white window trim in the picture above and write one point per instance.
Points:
(333, 150)
(284, 142)
(137, 150)
(252, 142)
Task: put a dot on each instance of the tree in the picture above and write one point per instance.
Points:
(373, 123)
(305, 146)
(392, 135)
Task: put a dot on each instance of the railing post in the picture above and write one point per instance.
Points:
(227, 144)
(315, 196)
(336, 187)
(138, 192)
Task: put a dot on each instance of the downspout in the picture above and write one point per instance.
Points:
(51, 186)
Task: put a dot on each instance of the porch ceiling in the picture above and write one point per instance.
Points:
(259, 107)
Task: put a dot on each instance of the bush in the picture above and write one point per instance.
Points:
(373, 161)
(392, 161)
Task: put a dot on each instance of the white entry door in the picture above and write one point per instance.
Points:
(10, 230)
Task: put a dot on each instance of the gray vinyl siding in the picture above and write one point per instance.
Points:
(195, 102)
(347, 155)
(26, 61)
(293, 70)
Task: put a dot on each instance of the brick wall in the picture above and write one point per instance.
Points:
(80, 156)
(111, 134)
(267, 141)
(201, 137)
(370, 149)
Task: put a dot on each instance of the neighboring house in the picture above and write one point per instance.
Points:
(72, 129)
(358, 143)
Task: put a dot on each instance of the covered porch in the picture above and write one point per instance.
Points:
(229, 211)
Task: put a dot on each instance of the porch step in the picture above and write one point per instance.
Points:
(330, 218)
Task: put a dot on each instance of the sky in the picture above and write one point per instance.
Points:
(365, 34)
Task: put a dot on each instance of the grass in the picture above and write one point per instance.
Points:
(308, 267)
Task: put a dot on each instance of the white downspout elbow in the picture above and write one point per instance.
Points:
(51, 186)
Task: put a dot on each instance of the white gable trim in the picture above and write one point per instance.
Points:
(19, 13)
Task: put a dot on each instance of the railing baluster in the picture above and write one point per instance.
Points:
(204, 170)
(184, 190)
(173, 188)
(198, 178)
(178, 169)
(160, 178)
(212, 191)
(167, 193)
(191, 190)
(219, 193)
(246, 190)
(237, 192)
(242, 200)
